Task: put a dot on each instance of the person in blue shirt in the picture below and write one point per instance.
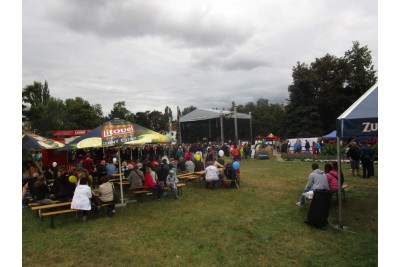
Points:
(111, 168)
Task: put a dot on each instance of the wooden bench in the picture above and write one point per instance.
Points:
(123, 182)
(56, 205)
(190, 178)
(52, 214)
(34, 204)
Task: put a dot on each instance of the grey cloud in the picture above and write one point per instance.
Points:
(123, 19)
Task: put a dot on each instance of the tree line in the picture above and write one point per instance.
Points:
(318, 94)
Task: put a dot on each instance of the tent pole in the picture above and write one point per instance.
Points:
(222, 128)
(120, 175)
(236, 130)
(340, 224)
(251, 126)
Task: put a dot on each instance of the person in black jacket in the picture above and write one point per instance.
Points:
(63, 189)
(41, 191)
(354, 155)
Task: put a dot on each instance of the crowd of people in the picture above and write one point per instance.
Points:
(156, 166)
(364, 155)
(87, 184)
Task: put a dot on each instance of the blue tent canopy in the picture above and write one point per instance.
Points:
(330, 135)
(361, 118)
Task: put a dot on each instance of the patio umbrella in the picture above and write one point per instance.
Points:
(34, 141)
(115, 133)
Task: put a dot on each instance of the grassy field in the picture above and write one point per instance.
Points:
(256, 225)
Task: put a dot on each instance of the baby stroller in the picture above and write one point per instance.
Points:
(231, 179)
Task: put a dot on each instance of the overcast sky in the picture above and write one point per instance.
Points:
(208, 53)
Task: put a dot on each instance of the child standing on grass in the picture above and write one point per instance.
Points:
(171, 181)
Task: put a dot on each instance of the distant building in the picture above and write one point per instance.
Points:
(205, 125)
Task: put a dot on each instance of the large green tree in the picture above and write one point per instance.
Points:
(266, 117)
(359, 72)
(79, 114)
(120, 111)
(322, 91)
(33, 96)
(188, 110)
(302, 110)
(36, 94)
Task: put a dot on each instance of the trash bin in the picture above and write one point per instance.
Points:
(319, 209)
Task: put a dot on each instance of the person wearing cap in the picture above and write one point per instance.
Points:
(171, 182)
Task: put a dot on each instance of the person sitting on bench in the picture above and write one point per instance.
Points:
(106, 194)
(151, 185)
(41, 191)
(211, 174)
(82, 196)
(316, 180)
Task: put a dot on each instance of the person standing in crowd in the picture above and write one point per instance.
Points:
(307, 147)
(87, 164)
(179, 153)
(316, 181)
(366, 154)
(314, 148)
(235, 153)
(318, 147)
(354, 155)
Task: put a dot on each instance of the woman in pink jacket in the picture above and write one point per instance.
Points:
(332, 176)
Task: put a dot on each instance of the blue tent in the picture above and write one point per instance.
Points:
(361, 118)
(330, 135)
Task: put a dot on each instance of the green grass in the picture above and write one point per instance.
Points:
(256, 225)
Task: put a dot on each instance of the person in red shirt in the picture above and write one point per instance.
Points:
(87, 164)
(235, 153)
(151, 185)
